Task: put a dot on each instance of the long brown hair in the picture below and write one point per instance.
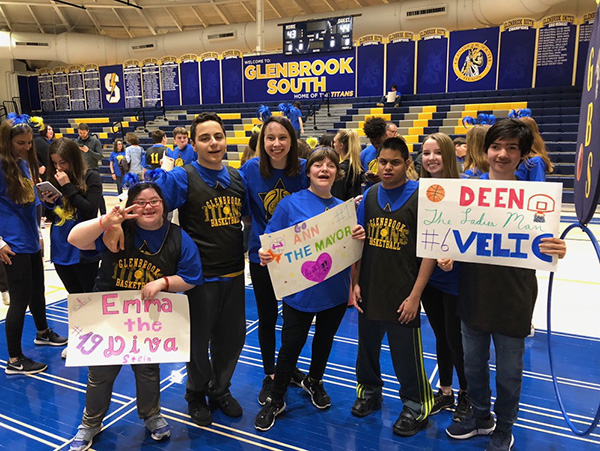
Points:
(19, 188)
(69, 151)
(538, 149)
(476, 158)
(448, 156)
(292, 164)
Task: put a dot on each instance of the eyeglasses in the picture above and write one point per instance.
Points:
(143, 203)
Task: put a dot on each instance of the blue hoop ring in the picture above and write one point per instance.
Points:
(549, 313)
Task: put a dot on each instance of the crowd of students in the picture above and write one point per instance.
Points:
(204, 257)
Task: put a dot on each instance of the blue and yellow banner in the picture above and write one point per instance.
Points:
(473, 59)
(46, 88)
(369, 66)
(555, 51)
(190, 80)
(91, 83)
(150, 82)
(132, 74)
(210, 77)
(112, 87)
(586, 27)
(231, 68)
(432, 63)
(76, 87)
(170, 85)
(400, 61)
(517, 53)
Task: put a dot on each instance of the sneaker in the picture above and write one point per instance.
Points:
(84, 437)
(407, 425)
(297, 378)
(379, 104)
(363, 407)
(5, 298)
(200, 412)
(501, 441)
(470, 427)
(265, 391)
(441, 402)
(228, 405)
(63, 354)
(24, 365)
(266, 417)
(318, 395)
(158, 427)
(49, 338)
(463, 407)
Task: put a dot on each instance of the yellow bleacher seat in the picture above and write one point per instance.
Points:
(91, 120)
(415, 131)
(425, 116)
(430, 109)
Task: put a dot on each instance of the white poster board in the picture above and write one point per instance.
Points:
(118, 328)
(488, 221)
(312, 251)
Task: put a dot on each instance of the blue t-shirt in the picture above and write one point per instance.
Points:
(263, 195)
(294, 116)
(182, 157)
(135, 158)
(19, 225)
(297, 208)
(389, 199)
(446, 281)
(367, 155)
(114, 158)
(471, 173)
(532, 170)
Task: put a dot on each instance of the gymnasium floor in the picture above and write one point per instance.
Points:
(42, 412)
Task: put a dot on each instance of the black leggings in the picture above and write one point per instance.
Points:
(78, 278)
(440, 308)
(26, 288)
(3, 279)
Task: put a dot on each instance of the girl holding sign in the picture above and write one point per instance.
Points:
(169, 258)
(327, 300)
(276, 173)
(440, 295)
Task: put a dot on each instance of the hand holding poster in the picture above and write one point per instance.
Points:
(488, 221)
(312, 251)
(119, 328)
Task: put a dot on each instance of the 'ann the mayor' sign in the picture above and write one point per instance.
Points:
(488, 221)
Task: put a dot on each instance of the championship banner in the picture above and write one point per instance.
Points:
(299, 77)
(112, 86)
(369, 65)
(190, 80)
(432, 60)
(555, 51)
(517, 54)
(210, 78)
(231, 74)
(587, 169)
(150, 82)
(118, 328)
(76, 87)
(488, 221)
(132, 74)
(169, 81)
(91, 83)
(61, 89)
(312, 251)
(46, 89)
(586, 27)
(473, 60)
(400, 62)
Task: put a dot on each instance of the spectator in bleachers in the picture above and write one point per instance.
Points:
(154, 154)
(116, 164)
(294, 114)
(460, 149)
(183, 153)
(347, 145)
(536, 164)
(304, 149)
(90, 146)
(375, 129)
(476, 162)
(134, 154)
(391, 130)
(42, 143)
(326, 139)
(391, 98)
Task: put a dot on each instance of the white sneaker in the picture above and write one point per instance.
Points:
(5, 298)
(63, 354)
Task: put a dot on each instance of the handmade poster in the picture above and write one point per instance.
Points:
(312, 251)
(488, 221)
(119, 328)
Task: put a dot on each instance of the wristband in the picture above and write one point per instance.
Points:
(102, 225)
(166, 283)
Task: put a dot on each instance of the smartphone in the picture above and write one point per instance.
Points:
(47, 186)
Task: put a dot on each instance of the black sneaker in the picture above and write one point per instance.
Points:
(200, 412)
(24, 365)
(407, 425)
(265, 391)
(441, 402)
(297, 378)
(318, 395)
(363, 407)
(463, 407)
(266, 417)
(228, 405)
(470, 427)
(49, 338)
(501, 441)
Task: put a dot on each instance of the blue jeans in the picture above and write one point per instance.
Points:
(509, 374)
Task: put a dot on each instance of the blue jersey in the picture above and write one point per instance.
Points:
(114, 158)
(368, 159)
(181, 157)
(294, 116)
(263, 195)
(297, 208)
(389, 199)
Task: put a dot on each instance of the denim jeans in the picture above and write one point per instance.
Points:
(509, 374)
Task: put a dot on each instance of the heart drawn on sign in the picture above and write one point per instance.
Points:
(317, 271)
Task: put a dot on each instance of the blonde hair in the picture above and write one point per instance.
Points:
(448, 156)
(476, 159)
(538, 149)
(351, 142)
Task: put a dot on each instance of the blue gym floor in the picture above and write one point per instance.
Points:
(42, 412)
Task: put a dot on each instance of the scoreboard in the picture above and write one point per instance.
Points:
(315, 36)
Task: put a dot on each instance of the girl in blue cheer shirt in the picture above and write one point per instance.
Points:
(276, 173)
(116, 156)
(536, 164)
(20, 249)
(327, 300)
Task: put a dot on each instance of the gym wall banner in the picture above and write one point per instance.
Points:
(91, 83)
(231, 69)
(46, 89)
(34, 93)
(61, 89)
(517, 53)
(299, 77)
(369, 65)
(555, 51)
(190, 79)
(432, 60)
(132, 73)
(400, 61)
(150, 82)
(112, 86)
(210, 78)
(586, 26)
(473, 60)
(76, 87)
(24, 94)
(169, 81)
